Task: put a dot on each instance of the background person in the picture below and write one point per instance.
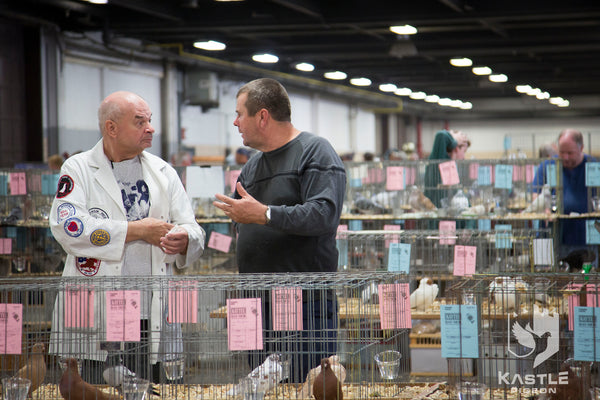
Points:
(286, 209)
(113, 214)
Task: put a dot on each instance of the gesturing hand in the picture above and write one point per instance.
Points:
(246, 210)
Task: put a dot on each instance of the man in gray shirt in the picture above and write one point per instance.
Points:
(286, 207)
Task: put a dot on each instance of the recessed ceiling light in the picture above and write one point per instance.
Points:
(403, 29)
(402, 91)
(432, 98)
(265, 58)
(482, 70)
(498, 78)
(456, 103)
(461, 62)
(564, 103)
(387, 87)
(360, 81)
(466, 105)
(445, 102)
(543, 96)
(335, 75)
(556, 100)
(97, 1)
(534, 91)
(417, 95)
(304, 66)
(523, 88)
(210, 45)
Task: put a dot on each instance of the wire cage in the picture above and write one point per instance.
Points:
(202, 336)
(523, 336)
(467, 189)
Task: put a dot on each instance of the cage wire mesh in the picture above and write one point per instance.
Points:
(536, 336)
(199, 336)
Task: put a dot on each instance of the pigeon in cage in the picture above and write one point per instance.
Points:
(334, 364)
(73, 387)
(115, 374)
(507, 292)
(267, 375)
(423, 296)
(34, 368)
(326, 385)
(538, 205)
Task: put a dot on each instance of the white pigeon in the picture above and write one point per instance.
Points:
(266, 376)
(423, 296)
(114, 376)
(539, 204)
(508, 292)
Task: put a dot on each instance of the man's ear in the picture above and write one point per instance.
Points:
(110, 127)
(264, 116)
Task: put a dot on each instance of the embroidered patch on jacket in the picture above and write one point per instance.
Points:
(87, 266)
(98, 213)
(65, 186)
(73, 227)
(100, 237)
(64, 211)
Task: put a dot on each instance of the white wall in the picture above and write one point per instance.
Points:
(82, 87)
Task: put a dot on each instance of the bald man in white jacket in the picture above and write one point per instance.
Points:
(120, 211)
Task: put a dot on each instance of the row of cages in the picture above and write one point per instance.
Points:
(439, 254)
(256, 336)
(414, 189)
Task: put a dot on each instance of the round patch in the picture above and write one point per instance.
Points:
(87, 266)
(98, 213)
(100, 237)
(64, 211)
(74, 227)
(65, 186)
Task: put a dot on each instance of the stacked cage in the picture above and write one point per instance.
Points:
(523, 336)
(212, 337)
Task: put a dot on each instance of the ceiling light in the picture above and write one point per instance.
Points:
(461, 62)
(556, 100)
(210, 45)
(543, 95)
(97, 1)
(417, 95)
(306, 67)
(445, 101)
(387, 87)
(403, 29)
(265, 58)
(335, 75)
(360, 81)
(564, 103)
(402, 91)
(523, 88)
(466, 105)
(482, 70)
(456, 103)
(498, 78)
(432, 98)
(534, 92)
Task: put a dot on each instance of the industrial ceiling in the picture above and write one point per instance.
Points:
(550, 45)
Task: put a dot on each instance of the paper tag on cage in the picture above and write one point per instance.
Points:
(395, 178)
(592, 235)
(287, 309)
(17, 183)
(586, 334)
(394, 306)
(464, 260)
(399, 257)
(449, 173)
(183, 302)
(592, 174)
(543, 252)
(447, 230)
(459, 330)
(79, 307)
(219, 242)
(123, 314)
(504, 174)
(11, 328)
(244, 324)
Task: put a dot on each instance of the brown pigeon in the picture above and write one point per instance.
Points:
(73, 387)
(327, 386)
(34, 368)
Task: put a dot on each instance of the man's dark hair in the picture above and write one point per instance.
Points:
(268, 94)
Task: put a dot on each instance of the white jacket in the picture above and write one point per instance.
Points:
(88, 219)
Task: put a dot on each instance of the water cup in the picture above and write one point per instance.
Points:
(471, 390)
(174, 369)
(250, 389)
(135, 388)
(15, 388)
(388, 363)
(595, 204)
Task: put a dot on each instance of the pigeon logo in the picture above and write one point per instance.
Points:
(542, 339)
